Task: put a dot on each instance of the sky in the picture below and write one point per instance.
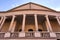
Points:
(9, 4)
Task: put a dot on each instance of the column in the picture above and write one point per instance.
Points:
(22, 34)
(10, 27)
(49, 25)
(36, 23)
(13, 27)
(4, 18)
(11, 24)
(58, 20)
(23, 23)
(1, 20)
(36, 34)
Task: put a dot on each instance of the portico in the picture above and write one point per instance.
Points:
(30, 20)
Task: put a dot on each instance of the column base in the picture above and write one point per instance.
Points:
(22, 34)
(7, 34)
(37, 34)
(52, 34)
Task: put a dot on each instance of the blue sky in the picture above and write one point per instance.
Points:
(9, 4)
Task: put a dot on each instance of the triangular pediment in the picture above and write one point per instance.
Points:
(31, 5)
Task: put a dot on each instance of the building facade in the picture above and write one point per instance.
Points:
(30, 21)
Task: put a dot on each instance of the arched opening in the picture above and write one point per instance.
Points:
(39, 30)
(30, 29)
(20, 30)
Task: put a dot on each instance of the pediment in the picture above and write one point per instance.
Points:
(31, 5)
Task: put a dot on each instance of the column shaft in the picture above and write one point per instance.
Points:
(23, 23)
(1, 20)
(36, 23)
(58, 20)
(4, 18)
(13, 27)
(49, 25)
(11, 24)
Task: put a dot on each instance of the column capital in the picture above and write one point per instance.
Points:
(4, 16)
(35, 14)
(46, 15)
(58, 19)
(14, 16)
(24, 14)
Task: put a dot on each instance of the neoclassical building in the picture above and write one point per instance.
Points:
(30, 21)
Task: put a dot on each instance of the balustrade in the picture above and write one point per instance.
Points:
(2, 35)
(58, 35)
(29, 35)
(45, 35)
(14, 35)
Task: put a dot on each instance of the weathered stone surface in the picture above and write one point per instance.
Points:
(52, 34)
(37, 34)
(22, 34)
(7, 34)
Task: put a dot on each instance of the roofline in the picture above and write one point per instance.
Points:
(28, 10)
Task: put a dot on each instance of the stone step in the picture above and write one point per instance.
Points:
(28, 39)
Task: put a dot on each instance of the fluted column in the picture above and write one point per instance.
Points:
(23, 23)
(11, 24)
(48, 23)
(36, 23)
(4, 18)
(58, 20)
